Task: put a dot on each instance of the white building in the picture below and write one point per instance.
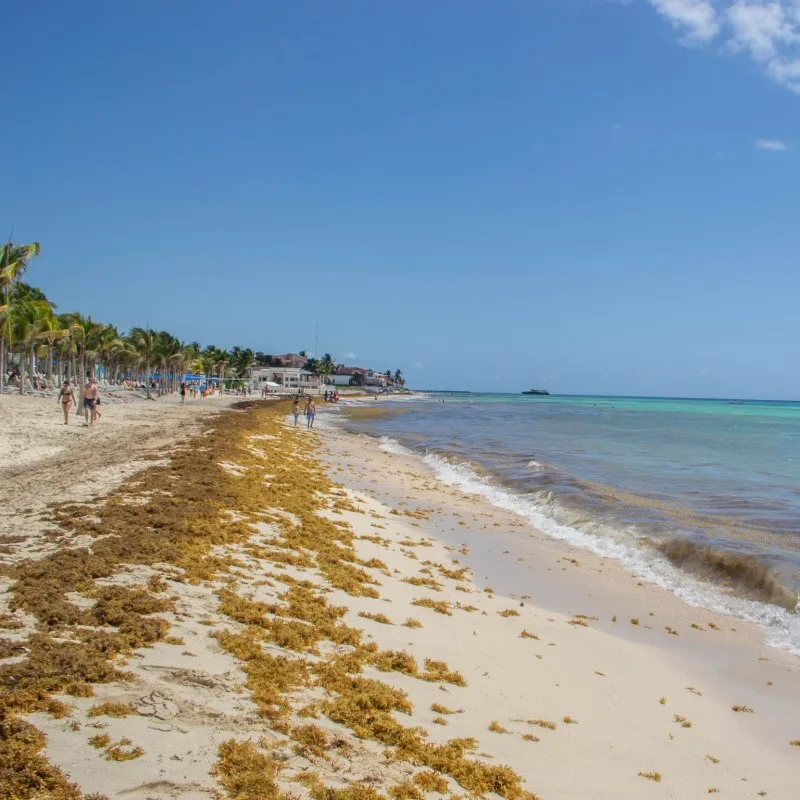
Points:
(284, 379)
(338, 380)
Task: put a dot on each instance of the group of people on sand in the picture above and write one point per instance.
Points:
(194, 390)
(90, 397)
(331, 395)
(310, 411)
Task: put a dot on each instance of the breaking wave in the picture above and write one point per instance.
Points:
(700, 576)
(742, 573)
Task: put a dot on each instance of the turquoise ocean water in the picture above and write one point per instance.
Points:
(700, 496)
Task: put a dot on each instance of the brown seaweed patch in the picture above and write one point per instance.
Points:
(738, 571)
(369, 413)
(111, 710)
(431, 782)
(382, 618)
(439, 606)
(246, 773)
(310, 739)
(23, 771)
(651, 776)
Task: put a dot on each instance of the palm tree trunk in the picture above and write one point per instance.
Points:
(50, 362)
(2, 361)
(147, 379)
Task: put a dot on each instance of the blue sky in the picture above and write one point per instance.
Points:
(589, 195)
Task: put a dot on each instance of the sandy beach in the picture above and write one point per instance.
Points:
(201, 604)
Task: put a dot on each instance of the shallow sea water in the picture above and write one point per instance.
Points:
(699, 496)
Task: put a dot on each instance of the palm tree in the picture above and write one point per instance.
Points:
(66, 349)
(243, 361)
(14, 260)
(29, 319)
(325, 366)
(170, 356)
(221, 362)
(87, 336)
(106, 349)
(52, 332)
(121, 354)
(180, 361)
(398, 378)
(144, 344)
(208, 358)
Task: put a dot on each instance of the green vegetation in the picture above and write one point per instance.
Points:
(71, 346)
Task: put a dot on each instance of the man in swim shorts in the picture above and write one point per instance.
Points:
(90, 401)
(311, 412)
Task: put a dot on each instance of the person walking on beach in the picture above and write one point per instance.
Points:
(311, 412)
(296, 411)
(183, 393)
(66, 397)
(90, 401)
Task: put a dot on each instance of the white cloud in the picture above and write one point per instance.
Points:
(761, 28)
(418, 365)
(766, 30)
(350, 356)
(697, 19)
(771, 144)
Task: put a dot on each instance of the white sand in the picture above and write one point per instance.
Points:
(44, 461)
(608, 677)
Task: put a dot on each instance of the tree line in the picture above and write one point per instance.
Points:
(73, 346)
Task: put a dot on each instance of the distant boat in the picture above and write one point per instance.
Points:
(537, 391)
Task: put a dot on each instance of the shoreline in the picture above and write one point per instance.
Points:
(296, 619)
(703, 573)
(506, 553)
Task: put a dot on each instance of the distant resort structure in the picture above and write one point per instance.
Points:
(297, 371)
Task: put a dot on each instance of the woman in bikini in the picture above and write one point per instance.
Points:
(66, 397)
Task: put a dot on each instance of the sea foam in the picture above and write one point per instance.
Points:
(782, 627)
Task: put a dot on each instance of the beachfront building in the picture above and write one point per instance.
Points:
(284, 379)
(338, 380)
(294, 360)
(354, 376)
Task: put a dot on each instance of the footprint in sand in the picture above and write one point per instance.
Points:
(156, 705)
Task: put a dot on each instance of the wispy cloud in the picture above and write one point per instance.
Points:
(696, 19)
(766, 30)
(775, 145)
(350, 356)
(418, 365)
